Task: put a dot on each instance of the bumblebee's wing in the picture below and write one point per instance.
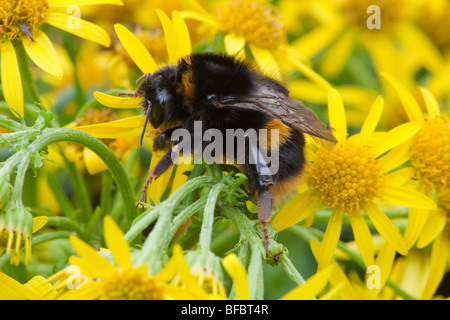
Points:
(290, 111)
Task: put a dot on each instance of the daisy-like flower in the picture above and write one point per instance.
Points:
(122, 280)
(430, 158)
(257, 26)
(21, 20)
(382, 28)
(356, 176)
(178, 45)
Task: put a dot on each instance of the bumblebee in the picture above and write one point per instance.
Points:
(223, 93)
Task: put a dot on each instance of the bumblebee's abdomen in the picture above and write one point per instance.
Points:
(291, 161)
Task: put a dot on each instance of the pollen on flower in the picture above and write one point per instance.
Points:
(258, 23)
(346, 177)
(132, 285)
(18, 17)
(444, 203)
(430, 153)
(355, 12)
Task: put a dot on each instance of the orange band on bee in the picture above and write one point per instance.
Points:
(284, 131)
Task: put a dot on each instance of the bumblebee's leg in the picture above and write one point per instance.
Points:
(264, 197)
(264, 201)
(159, 143)
(162, 166)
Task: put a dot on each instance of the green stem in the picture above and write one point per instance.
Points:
(49, 236)
(141, 223)
(65, 224)
(291, 271)
(50, 136)
(154, 246)
(208, 217)
(20, 178)
(255, 276)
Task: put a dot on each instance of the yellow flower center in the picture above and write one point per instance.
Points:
(258, 23)
(430, 153)
(18, 17)
(391, 12)
(345, 177)
(132, 285)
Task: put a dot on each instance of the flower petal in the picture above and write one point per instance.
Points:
(395, 157)
(237, 272)
(233, 44)
(385, 260)
(87, 291)
(12, 289)
(116, 243)
(372, 119)
(330, 240)
(94, 164)
(118, 102)
(440, 253)
(407, 197)
(308, 72)
(91, 257)
(137, 51)
(431, 103)
(313, 286)
(336, 114)
(201, 17)
(363, 237)
(66, 3)
(43, 54)
(386, 228)
(400, 177)
(123, 128)
(266, 61)
(296, 210)
(416, 221)
(158, 187)
(410, 105)
(396, 137)
(435, 224)
(39, 223)
(79, 27)
(182, 32)
(337, 55)
(172, 42)
(10, 78)
(337, 277)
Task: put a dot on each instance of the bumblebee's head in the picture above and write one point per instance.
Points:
(159, 90)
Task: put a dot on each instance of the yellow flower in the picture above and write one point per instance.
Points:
(256, 25)
(343, 25)
(121, 280)
(21, 20)
(430, 158)
(356, 176)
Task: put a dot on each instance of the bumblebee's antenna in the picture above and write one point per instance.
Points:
(147, 118)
